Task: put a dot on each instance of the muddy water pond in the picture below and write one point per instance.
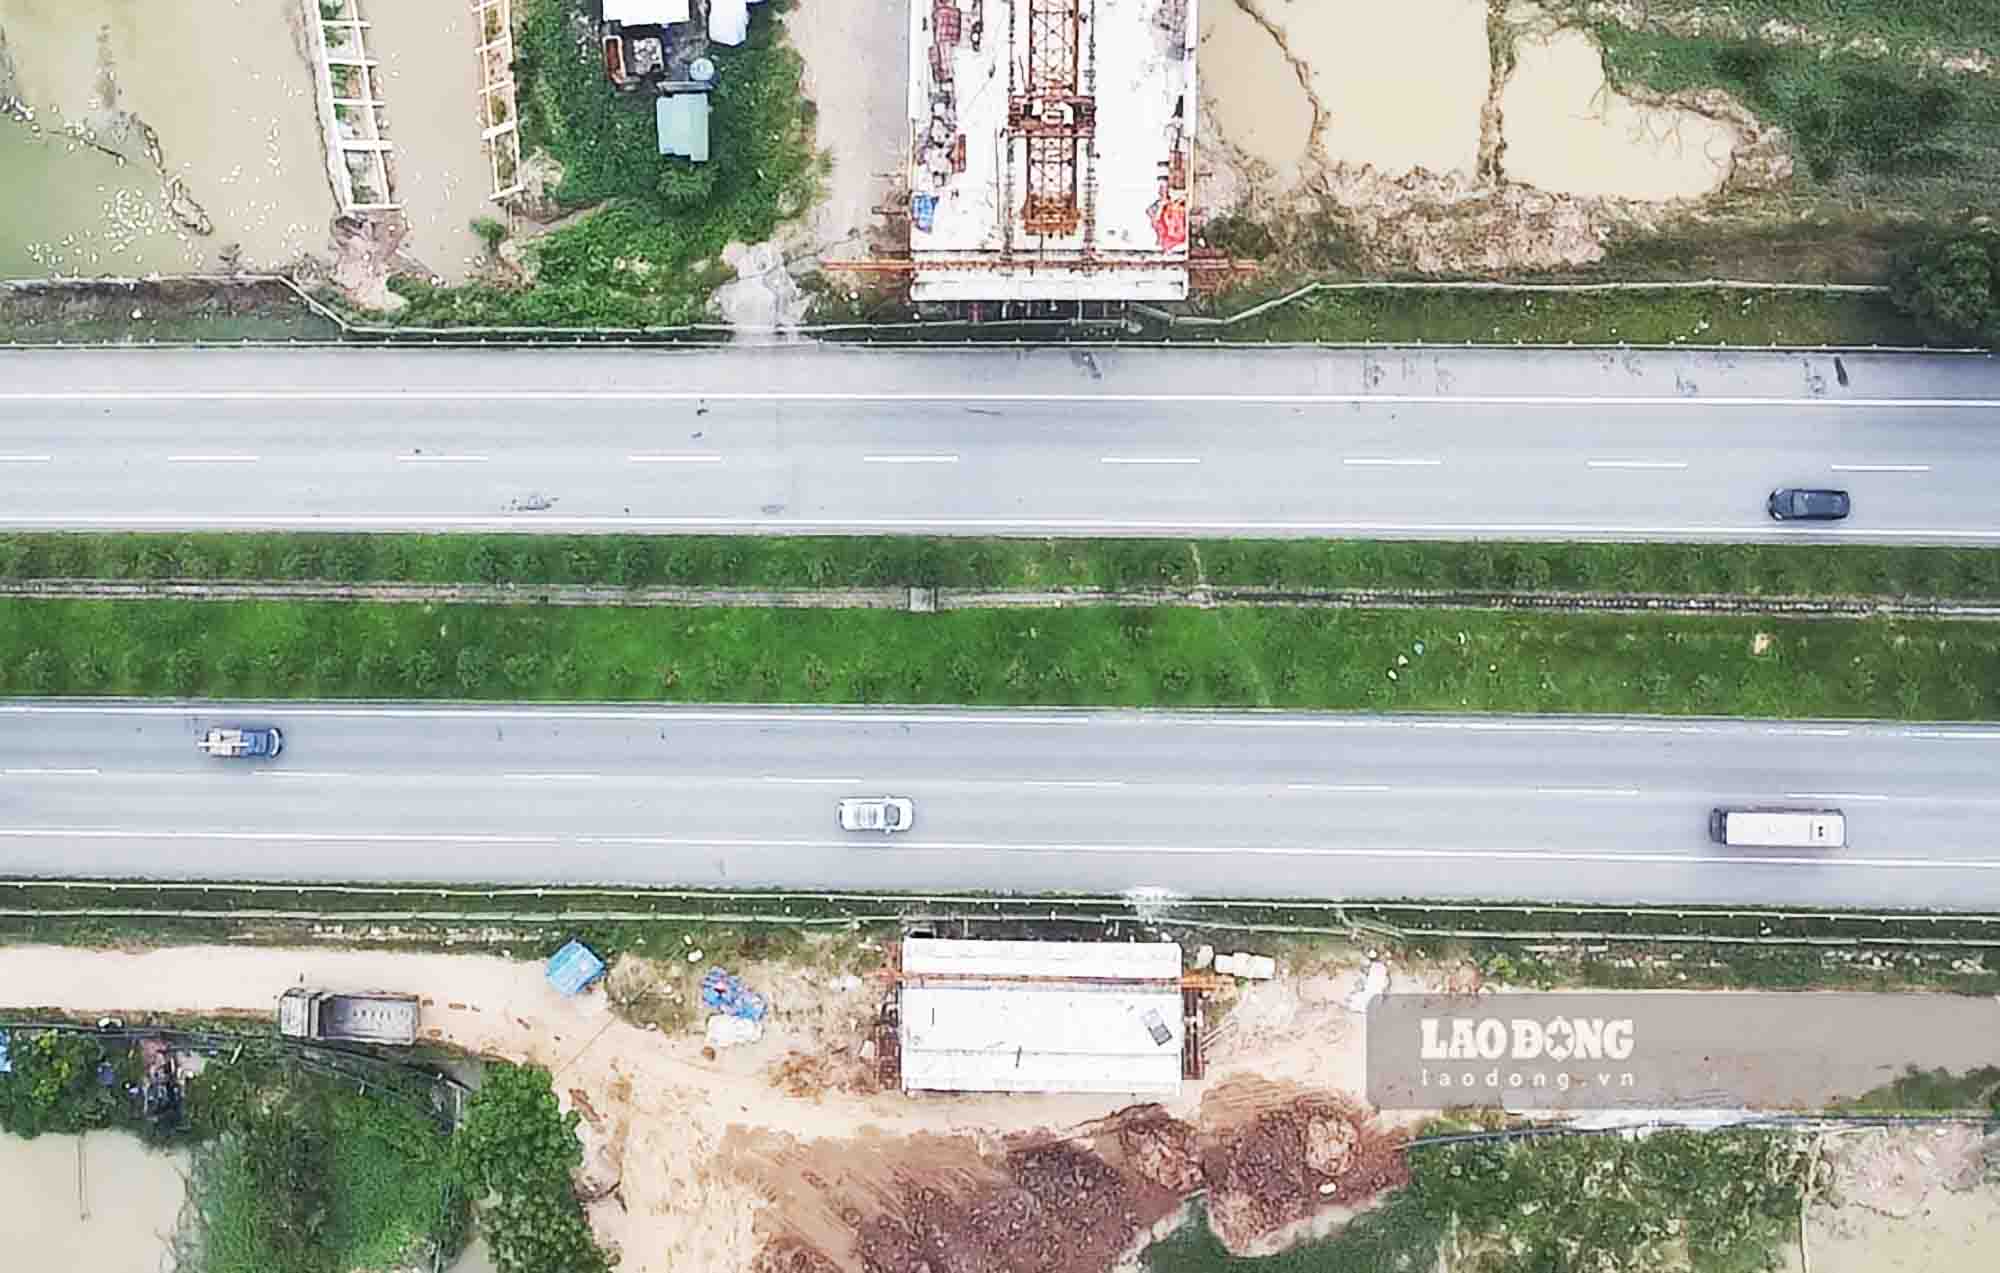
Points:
(102, 1202)
(126, 126)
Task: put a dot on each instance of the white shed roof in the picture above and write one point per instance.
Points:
(988, 1029)
(1138, 961)
(640, 13)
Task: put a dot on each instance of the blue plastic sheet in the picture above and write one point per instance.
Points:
(725, 993)
(574, 967)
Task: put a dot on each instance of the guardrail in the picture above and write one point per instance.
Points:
(885, 333)
(832, 910)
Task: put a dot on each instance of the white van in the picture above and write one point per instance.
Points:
(1778, 828)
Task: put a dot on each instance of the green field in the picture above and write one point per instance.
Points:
(1400, 660)
(747, 561)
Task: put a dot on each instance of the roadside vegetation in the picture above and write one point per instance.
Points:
(301, 1168)
(1540, 946)
(1720, 316)
(649, 251)
(781, 561)
(1404, 660)
(164, 311)
(292, 1169)
(1714, 1202)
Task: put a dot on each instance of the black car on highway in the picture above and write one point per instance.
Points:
(1800, 504)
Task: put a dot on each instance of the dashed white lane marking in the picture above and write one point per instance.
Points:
(25, 459)
(673, 459)
(813, 782)
(559, 776)
(1637, 464)
(1149, 459)
(1834, 795)
(1587, 791)
(441, 459)
(1880, 468)
(1337, 786)
(211, 459)
(50, 773)
(909, 459)
(1391, 462)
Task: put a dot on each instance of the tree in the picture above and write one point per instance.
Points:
(1951, 286)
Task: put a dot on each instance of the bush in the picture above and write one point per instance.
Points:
(518, 1148)
(1951, 287)
(54, 1086)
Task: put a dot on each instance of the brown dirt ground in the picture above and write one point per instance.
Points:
(783, 1156)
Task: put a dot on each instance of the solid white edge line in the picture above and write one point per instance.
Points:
(1819, 861)
(1191, 399)
(898, 525)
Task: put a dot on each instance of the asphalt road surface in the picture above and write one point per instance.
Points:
(1241, 805)
(1447, 443)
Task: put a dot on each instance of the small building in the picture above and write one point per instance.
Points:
(1033, 1016)
(681, 120)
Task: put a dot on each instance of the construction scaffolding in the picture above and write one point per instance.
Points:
(353, 117)
(1023, 184)
(499, 112)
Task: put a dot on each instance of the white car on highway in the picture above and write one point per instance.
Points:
(879, 813)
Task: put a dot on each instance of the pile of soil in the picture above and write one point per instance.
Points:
(1313, 1153)
(1060, 1206)
(1270, 1156)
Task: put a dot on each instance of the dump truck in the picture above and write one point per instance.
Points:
(372, 1017)
(263, 743)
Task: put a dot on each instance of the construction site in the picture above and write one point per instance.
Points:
(1051, 151)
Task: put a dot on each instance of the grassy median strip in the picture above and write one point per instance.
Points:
(1397, 660)
(741, 561)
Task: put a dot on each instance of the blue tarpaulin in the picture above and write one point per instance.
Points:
(725, 993)
(6, 1061)
(923, 210)
(574, 967)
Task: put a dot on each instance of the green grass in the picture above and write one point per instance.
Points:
(651, 254)
(1552, 1206)
(1934, 1092)
(1888, 130)
(1719, 317)
(755, 561)
(1401, 660)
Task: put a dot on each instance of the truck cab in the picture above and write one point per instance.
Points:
(262, 743)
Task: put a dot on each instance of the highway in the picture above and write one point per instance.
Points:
(1234, 805)
(1419, 443)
